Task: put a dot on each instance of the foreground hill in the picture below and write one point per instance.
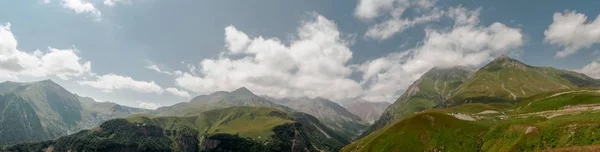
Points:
(368, 111)
(565, 120)
(44, 110)
(330, 113)
(229, 129)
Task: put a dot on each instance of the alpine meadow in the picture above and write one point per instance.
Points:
(299, 76)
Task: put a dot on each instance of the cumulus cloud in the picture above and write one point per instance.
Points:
(466, 44)
(147, 105)
(63, 63)
(82, 6)
(178, 92)
(111, 82)
(235, 40)
(310, 65)
(570, 31)
(395, 20)
(592, 69)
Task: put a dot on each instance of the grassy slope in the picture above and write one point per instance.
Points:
(246, 121)
(514, 132)
(423, 131)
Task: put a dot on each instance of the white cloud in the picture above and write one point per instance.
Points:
(311, 65)
(111, 82)
(147, 105)
(111, 3)
(46, 1)
(394, 10)
(178, 92)
(571, 32)
(393, 26)
(82, 6)
(592, 69)
(155, 67)
(368, 9)
(466, 44)
(63, 63)
(235, 40)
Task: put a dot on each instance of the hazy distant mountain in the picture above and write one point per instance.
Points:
(368, 111)
(330, 113)
(228, 129)
(216, 100)
(44, 110)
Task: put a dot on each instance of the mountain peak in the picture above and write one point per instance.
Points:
(502, 57)
(504, 61)
(242, 90)
(47, 81)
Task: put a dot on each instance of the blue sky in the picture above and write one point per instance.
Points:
(148, 53)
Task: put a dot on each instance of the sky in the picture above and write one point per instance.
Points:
(151, 53)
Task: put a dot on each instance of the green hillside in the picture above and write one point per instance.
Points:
(508, 80)
(429, 91)
(229, 129)
(559, 120)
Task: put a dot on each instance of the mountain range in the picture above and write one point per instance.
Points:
(505, 105)
(44, 111)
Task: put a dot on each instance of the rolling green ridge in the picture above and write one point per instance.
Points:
(228, 129)
(44, 110)
(565, 119)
